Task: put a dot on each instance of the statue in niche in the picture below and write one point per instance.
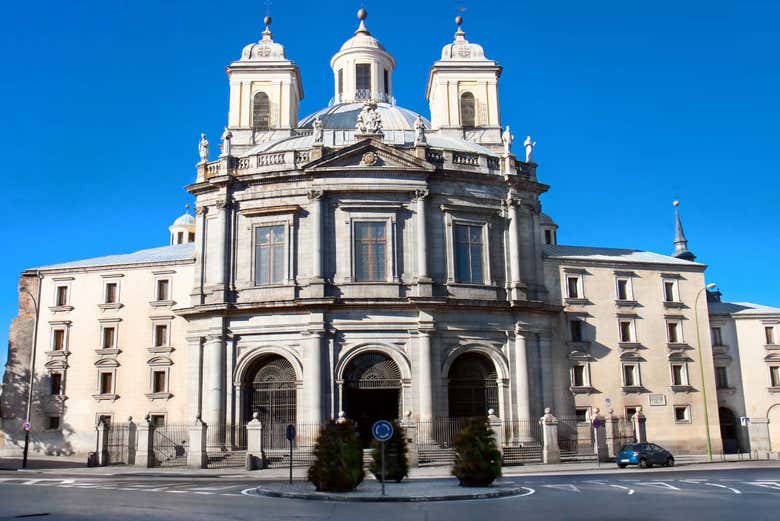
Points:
(507, 138)
(419, 131)
(203, 149)
(529, 149)
(369, 121)
(318, 134)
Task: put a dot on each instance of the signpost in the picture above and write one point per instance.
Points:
(290, 435)
(382, 432)
(26, 426)
(596, 424)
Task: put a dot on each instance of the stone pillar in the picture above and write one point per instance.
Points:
(214, 383)
(546, 359)
(218, 255)
(317, 289)
(254, 444)
(144, 453)
(640, 429)
(600, 437)
(424, 283)
(312, 377)
(514, 250)
(498, 431)
(193, 377)
(612, 434)
(758, 430)
(424, 381)
(412, 451)
(102, 444)
(551, 452)
(523, 400)
(132, 440)
(196, 455)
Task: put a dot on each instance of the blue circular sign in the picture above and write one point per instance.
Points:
(596, 423)
(382, 430)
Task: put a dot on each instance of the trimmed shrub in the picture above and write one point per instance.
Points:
(477, 458)
(338, 465)
(396, 464)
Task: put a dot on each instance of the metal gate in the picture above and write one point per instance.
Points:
(575, 440)
(169, 445)
(472, 387)
(117, 443)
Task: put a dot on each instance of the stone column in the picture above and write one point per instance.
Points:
(196, 454)
(193, 377)
(551, 452)
(600, 437)
(521, 382)
(254, 444)
(214, 384)
(218, 255)
(640, 430)
(312, 377)
(546, 359)
(514, 249)
(144, 453)
(317, 289)
(612, 434)
(424, 381)
(424, 287)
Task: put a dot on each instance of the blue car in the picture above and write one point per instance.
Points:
(645, 455)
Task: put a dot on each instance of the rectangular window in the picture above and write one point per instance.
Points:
(52, 422)
(682, 414)
(721, 378)
(109, 337)
(547, 237)
(370, 251)
(673, 332)
(106, 383)
(582, 415)
(56, 384)
(631, 411)
(269, 254)
(341, 83)
(622, 289)
(670, 291)
(629, 375)
(626, 331)
(386, 82)
(191, 237)
(678, 375)
(578, 376)
(58, 340)
(179, 237)
(363, 80)
(573, 287)
(159, 382)
(774, 376)
(575, 327)
(769, 331)
(111, 292)
(717, 336)
(62, 296)
(157, 420)
(468, 254)
(160, 335)
(163, 287)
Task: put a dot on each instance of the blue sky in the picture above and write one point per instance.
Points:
(633, 105)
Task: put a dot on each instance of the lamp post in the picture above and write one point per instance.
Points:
(701, 368)
(30, 386)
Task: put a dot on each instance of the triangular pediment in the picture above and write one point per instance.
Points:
(369, 154)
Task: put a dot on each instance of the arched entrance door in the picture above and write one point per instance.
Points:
(372, 389)
(269, 390)
(728, 430)
(472, 386)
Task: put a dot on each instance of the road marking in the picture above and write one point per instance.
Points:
(774, 485)
(229, 494)
(249, 491)
(177, 491)
(695, 481)
(203, 493)
(630, 490)
(214, 488)
(724, 486)
(566, 486)
(658, 484)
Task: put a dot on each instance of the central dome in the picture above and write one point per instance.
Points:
(344, 116)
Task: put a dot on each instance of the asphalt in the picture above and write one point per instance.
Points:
(737, 491)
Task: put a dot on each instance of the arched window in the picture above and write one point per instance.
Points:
(467, 110)
(270, 391)
(473, 386)
(261, 112)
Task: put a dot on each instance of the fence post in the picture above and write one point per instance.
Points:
(613, 434)
(254, 444)
(144, 453)
(497, 426)
(640, 431)
(600, 433)
(132, 443)
(412, 454)
(551, 452)
(196, 456)
(102, 443)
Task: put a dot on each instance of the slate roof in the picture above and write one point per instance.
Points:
(178, 252)
(588, 253)
(741, 308)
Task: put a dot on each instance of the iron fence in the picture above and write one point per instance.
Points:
(575, 440)
(221, 451)
(276, 448)
(522, 442)
(169, 445)
(118, 443)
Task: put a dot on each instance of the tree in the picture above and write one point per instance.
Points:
(338, 465)
(396, 464)
(477, 458)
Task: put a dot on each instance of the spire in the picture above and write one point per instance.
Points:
(680, 242)
(362, 14)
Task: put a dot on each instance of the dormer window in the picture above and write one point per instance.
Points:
(467, 110)
(363, 81)
(261, 112)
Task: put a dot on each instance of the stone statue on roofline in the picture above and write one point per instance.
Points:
(203, 149)
(419, 132)
(369, 121)
(227, 136)
(318, 134)
(507, 139)
(529, 149)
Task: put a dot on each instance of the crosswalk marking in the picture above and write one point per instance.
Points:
(724, 486)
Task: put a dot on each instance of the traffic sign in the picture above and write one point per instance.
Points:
(382, 430)
(596, 423)
(290, 433)
(26, 426)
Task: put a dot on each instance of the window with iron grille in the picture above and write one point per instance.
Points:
(269, 254)
(469, 254)
(261, 111)
(473, 386)
(370, 251)
(467, 110)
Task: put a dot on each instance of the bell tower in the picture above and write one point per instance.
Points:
(463, 91)
(265, 92)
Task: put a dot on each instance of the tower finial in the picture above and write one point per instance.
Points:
(362, 14)
(267, 35)
(680, 241)
(459, 22)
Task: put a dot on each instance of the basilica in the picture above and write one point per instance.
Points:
(370, 262)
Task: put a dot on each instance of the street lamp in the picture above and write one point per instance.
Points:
(701, 368)
(23, 289)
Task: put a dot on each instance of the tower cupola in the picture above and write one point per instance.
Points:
(362, 69)
(183, 228)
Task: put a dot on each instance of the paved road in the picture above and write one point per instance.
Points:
(736, 494)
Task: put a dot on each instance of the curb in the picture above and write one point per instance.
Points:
(324, 496)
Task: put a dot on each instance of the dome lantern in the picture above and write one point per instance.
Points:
(183, 228)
